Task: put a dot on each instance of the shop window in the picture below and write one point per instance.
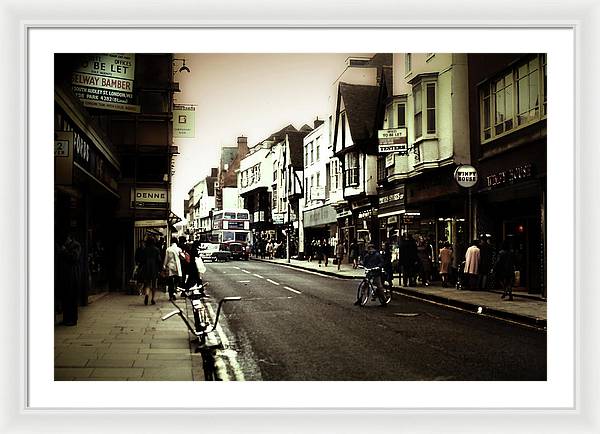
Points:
(351, 172)
(401, 115)
(381, 168)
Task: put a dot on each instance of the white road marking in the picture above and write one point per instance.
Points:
(237, 268)
(273, 282)
(259, 276)
(230, 355)
(246, 271)
(291, 289)
(243, 281)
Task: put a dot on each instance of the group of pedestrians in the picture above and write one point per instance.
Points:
(321, 251)
(480, 264)
(179, 265)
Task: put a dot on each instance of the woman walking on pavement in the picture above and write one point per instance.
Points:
(354, 253)
(424, 252)
(445, 262)
(172, 265)
(339, 253)
(149, 268)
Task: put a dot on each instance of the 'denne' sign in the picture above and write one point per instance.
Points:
(466, 176)
(149, 198)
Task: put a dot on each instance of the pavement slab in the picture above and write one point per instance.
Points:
(118, 338)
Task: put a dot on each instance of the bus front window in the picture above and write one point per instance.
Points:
(241, 236)
(228, 236)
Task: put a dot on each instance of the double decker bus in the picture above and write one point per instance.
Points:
(231, 225)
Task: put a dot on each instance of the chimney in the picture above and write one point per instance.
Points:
(242, 143)
(214, 171)
(317, 123)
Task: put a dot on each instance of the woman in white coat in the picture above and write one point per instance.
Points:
(172, 265)
(472, 258)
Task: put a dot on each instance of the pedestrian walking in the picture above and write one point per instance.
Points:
(485, 262)
(69, 259)
(309, 250)
(388, 272)
(326, 252)
(472, 258)
(504, 269)
(339, 253)
(150, 268)
(446, 257)
(354, 253)
(270, 250)
(193, 277)
(172, 265)
(424, 254)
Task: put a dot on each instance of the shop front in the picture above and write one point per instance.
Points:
(320, 224)
(435, 211)
(85, 195)
(511, 207)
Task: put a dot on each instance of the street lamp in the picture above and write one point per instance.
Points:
(183, 68)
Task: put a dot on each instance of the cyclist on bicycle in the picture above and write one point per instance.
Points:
(373, 259)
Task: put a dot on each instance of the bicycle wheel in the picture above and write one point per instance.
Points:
(363, 292)
(387, 292)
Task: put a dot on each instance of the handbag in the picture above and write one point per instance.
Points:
(200, 265)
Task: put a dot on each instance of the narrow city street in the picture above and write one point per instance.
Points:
(297, 325)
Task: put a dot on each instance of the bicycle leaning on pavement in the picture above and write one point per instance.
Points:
(200, 327)
(368, 290)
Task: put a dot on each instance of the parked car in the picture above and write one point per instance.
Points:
(214, 252)
(238, 250)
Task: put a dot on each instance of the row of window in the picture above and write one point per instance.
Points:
(312, 152)
(514, 99)
(250, 176)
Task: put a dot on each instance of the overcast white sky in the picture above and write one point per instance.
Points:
(250, 95)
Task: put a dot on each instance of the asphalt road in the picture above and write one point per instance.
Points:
(295, 325)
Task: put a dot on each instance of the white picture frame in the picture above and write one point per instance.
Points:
(17, 18)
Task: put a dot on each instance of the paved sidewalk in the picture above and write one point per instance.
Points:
(525, 309)
(118, 338)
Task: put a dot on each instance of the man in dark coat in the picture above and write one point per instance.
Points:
(150, 266)
(69, 258)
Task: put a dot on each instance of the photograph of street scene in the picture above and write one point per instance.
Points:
(309, 216)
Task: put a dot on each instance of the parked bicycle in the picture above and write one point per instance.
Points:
(200, 326)
(368, 290)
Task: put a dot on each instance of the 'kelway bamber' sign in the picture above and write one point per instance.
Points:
(105, 81)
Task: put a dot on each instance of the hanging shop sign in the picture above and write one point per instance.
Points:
(277, 218)
(154, 198)
(105, 81)
(63, 157)
(343, 214)
(184, 120)
(510, 176)
(408, 217)
(390, 160)
(393, 140)
(466, 176)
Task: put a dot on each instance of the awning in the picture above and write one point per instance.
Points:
(390, 212)
(323, 215)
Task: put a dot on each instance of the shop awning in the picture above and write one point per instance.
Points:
(323, 215)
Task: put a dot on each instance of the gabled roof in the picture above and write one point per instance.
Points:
(279, 135)
(296, 143)
(360, 102)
